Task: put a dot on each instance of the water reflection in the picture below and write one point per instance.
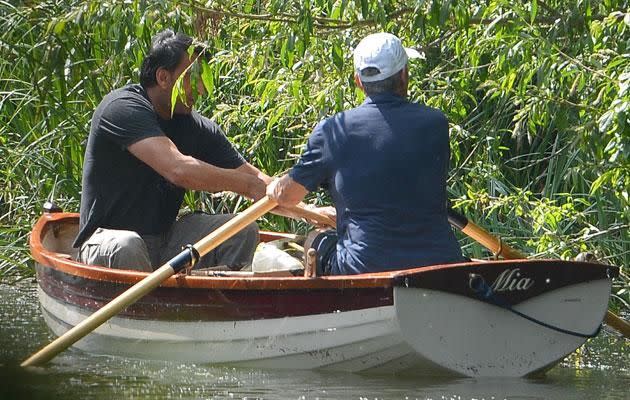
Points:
(601, 371)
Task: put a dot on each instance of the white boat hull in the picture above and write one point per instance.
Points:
(475, 338)
(425, 332)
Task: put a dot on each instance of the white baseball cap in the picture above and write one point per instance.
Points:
(384, 52)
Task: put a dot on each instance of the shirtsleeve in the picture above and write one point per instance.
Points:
(127, 120)
(217, 149)
(313, 167)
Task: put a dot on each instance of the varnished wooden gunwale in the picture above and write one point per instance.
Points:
(438, 277)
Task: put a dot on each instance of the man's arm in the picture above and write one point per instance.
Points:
(286, 191)
(292, 190)
(250, 169)
(289, 193)
(161, 154)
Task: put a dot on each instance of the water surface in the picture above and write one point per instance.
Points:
(600, 370)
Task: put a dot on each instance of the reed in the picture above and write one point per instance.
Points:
(536, 94)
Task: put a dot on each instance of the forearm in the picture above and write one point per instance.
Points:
(250, 169)
(161, 154)
(286, 191)
(194, 174)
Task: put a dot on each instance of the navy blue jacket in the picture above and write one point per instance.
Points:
(385, 164)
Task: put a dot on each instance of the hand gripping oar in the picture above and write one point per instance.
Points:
(131, 295)
(496, 246)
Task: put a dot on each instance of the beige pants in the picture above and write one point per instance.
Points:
(128, 250)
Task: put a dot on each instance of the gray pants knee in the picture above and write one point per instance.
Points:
(116, 249)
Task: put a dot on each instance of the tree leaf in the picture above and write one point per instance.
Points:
(534, 11)
(365, 9)
(59, 27)
(337, 56)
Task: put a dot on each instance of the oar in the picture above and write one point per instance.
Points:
(483, 237)
(312, 215)
(496, 246)
(131, 295)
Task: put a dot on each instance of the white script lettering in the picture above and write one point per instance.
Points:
(511, 280)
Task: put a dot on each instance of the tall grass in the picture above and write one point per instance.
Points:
(536, 94)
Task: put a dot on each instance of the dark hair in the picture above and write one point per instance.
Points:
(167, 49)
(390, 84)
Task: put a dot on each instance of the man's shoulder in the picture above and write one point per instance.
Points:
(203, 123)
(125, 116)
(125, 96)
(201, 120)
(426, 111)
(360, 112)
(131, 91)
(341, 116)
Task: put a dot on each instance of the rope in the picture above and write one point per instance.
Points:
(486, 294)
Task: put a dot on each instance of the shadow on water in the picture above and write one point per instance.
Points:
(599, 371)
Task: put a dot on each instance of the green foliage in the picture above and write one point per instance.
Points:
(537, 94)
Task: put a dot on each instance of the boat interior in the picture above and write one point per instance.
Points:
(60, 235)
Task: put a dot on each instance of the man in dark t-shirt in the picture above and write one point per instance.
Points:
(140, 158)
(385, 165)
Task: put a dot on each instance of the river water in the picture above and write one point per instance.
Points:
(600, 370)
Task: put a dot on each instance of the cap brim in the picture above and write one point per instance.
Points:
(412, 53)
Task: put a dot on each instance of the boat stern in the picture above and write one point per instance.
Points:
(502, 318)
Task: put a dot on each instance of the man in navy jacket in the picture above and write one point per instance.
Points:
(385, 165)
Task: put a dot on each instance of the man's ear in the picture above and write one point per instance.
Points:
(405, 73)
(404, 80)
(357, 80)
(163, 77)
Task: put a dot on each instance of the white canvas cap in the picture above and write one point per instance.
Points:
(384, 52)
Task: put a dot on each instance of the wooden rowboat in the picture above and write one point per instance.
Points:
(482, 318)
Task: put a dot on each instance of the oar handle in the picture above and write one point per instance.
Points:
(312, 215)
(487, 240)
(149, 283)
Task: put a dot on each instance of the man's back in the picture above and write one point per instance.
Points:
(385, 164)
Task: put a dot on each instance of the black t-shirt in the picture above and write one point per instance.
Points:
(385, 164)
(121, 192)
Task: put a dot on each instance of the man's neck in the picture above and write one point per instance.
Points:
(397, 93)
(402, 89)
(160, 103)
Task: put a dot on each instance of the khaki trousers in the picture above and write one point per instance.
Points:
(128, 250)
